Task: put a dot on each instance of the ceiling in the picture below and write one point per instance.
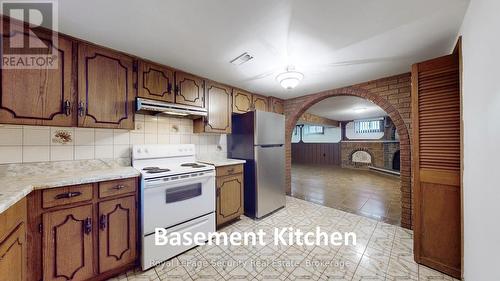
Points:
(342, 108)
(334, 43)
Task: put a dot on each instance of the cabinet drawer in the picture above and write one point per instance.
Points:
(229, 170)
(66, 195)
(116, 187)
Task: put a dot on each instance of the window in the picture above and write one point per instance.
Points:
(296, 130)
(314, 130)
(368, 126)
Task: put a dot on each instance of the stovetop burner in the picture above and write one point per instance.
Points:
(192, 165)
(150, 168)
(155, 170)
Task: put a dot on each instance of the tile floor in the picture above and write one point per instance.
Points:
(361, 192)
(383, 252)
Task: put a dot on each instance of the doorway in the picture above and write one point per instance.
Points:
(342, 156)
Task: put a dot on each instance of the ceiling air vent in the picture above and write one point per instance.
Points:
(241, 59)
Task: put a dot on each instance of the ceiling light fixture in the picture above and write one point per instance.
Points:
(290, 78)
(359, 109)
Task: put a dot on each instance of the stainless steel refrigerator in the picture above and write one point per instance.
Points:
(259, 138)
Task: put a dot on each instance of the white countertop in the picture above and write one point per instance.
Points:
(18, 180)
(219, 162)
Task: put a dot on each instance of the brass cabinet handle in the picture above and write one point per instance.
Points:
(230, 171)
(87, 228)
(118, 187)
(103, 222)
(68, 195)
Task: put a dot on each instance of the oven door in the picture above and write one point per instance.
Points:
(173, 200)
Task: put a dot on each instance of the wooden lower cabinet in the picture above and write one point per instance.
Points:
(229, 193)
(91, 239)
(117, 233)
(67, 244)
(13, 243)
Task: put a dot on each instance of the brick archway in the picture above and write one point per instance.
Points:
(392, 94)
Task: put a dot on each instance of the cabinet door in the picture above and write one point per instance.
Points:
(229, 198)
(155, 82)
(106, 88)
(259, 102)
(117, 233)
(242, 101)
(67, 244)
(13, 255)
(219, 101)
(276, 105)
(42, 95)
(189, 90)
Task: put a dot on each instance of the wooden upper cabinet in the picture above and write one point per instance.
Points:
(105, 88)
(41, 95)
(67, 244)
(260, 102)
(242, 101)
(189, 89)
(276, 105)
(219, 100)
(117, 233)
(155, 82)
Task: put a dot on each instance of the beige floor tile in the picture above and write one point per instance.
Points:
(383, 252)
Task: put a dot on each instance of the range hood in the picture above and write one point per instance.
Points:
(159, 107)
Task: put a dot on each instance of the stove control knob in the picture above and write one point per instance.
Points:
(146, 150)
(139, 150)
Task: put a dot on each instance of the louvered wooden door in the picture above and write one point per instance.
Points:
(436, 163)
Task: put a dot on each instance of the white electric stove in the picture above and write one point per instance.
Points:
(177, 194)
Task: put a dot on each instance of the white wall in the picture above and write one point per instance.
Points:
(481, 109)
(331, 135)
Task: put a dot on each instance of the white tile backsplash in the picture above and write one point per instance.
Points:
(84, 136)
(62, 153)
(104, 151)
(36, 135)
(34, 143)
(36, 153)
(121, 137)
(84, 152)
(136, 138)
(11, 154)
(121, 151)
(103, 136)
(11, 136)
